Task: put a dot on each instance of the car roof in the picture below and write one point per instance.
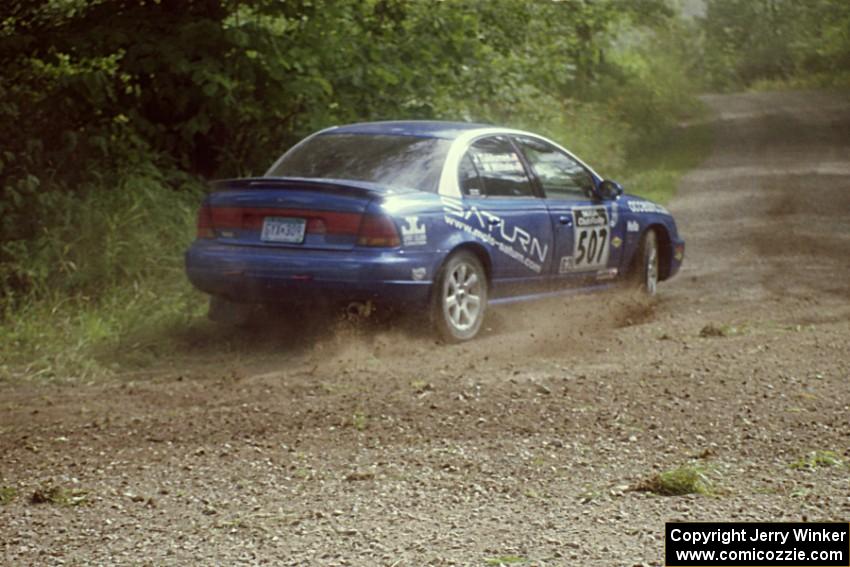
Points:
(419, 128)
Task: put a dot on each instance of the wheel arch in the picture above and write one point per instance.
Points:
(480, 252)
(665, 249)
(474, 248)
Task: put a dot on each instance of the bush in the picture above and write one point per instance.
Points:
(120, 230)
(750, 42)
(106, 261)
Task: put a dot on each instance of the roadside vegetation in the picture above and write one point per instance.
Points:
(113, 115)
(772, 44)
(60, 496)
(687, 479)
(818, 459)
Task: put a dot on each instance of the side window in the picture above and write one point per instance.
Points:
(499, 170)
(468, 178)
(561, 176)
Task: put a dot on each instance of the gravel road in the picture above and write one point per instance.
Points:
(381, 448)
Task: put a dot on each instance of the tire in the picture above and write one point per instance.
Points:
(459, 297)
(644, 273)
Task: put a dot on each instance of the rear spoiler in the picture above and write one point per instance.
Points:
(338, 186)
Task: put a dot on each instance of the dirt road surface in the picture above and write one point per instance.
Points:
(381, 448)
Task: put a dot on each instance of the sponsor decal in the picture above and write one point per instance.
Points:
(418, 274)
(616, 242)
(492, 229)
(590, 216)
(633, 226)
(615, 215)
(646, 207)
(591, 238)
(414, 234)
(566, 265)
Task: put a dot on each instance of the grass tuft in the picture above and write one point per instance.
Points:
(7, 494)
(59, 496)
(360, 421)
(817, 459)
(687, 479)
(712, 330)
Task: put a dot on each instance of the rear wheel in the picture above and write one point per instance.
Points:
(460, 297)
(644, 275)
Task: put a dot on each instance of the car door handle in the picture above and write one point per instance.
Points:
(494, 222)
(565, 220)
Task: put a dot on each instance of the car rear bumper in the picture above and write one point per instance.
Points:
(264, 274)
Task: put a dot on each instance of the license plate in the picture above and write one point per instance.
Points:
(280, 229)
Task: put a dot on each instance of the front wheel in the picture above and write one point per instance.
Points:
(644, 275)
(460, 297)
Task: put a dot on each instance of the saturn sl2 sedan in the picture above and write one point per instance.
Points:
(437, 218)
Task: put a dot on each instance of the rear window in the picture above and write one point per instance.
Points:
(396, 161)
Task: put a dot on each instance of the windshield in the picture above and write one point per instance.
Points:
(397, 161)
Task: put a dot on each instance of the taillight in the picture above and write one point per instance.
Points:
(379, 231)
(316, 226)
(375, 230)
(205, 223)
(329, 222)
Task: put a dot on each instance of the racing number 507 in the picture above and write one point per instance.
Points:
(591, 246)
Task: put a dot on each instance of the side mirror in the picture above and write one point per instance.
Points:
(609, 190)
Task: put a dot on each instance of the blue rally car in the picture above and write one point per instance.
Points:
(436, 217)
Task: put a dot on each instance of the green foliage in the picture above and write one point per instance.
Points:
(818, 459)
(65, 337)
(687, 479)
(109, 263)
(655, 169)
(748, 41)
(219, 86)
(7, 494)
(103, 234)
(653, 88)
